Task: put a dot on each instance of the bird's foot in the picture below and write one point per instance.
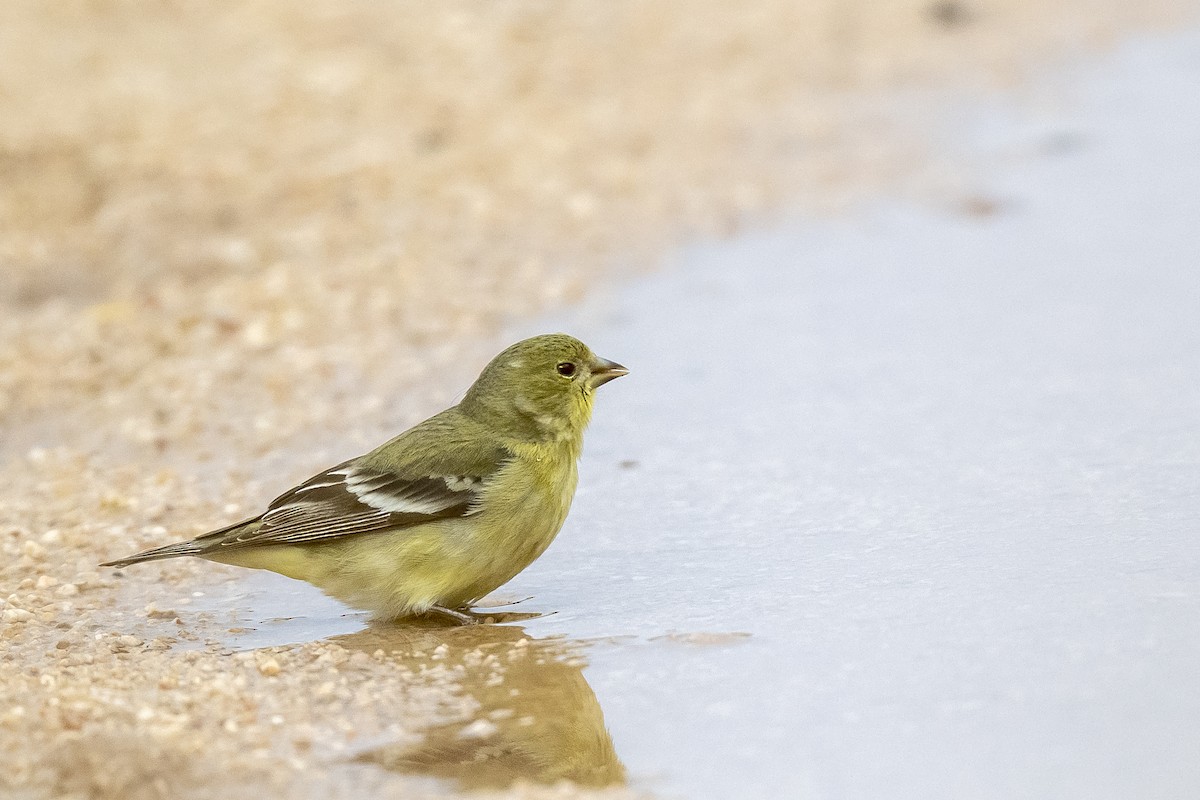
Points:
(461, 617)
(507, 603)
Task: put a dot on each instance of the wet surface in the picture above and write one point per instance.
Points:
(902, 504)
(539, 720)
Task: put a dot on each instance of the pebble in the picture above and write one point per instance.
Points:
(270, 668)
(479, 729)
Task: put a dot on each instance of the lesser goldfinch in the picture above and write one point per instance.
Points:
(443, 513)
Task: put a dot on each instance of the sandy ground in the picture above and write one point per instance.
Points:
(237, 246)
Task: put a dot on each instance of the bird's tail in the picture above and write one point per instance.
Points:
(188, 548)
(192, 547)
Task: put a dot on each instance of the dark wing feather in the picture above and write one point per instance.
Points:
(352, 498)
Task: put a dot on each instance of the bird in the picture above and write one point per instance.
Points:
(444, 513)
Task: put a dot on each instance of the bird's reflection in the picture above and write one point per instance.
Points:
(538, 720)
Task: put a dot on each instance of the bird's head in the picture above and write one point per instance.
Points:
(540, 389)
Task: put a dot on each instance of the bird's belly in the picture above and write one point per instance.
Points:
(448, 563)
(508, 546)
(513, 530)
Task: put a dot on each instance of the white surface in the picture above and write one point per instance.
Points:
(944, 469)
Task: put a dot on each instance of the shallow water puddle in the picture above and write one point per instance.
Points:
(538, 718)
(899, 505)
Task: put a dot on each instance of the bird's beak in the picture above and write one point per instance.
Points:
(604, 371)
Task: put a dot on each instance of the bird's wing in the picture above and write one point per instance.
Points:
(371, 494)
(353, 499)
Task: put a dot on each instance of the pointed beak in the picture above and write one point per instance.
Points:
(604, 371)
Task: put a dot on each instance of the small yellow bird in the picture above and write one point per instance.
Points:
(445, 512)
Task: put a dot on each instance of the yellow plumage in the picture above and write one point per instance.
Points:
(447, 511)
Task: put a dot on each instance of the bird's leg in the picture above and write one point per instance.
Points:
(458, 616)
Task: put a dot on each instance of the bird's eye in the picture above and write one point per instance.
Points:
(566, 368)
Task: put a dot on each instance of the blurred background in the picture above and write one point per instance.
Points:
(240, 242)
(327, 188)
